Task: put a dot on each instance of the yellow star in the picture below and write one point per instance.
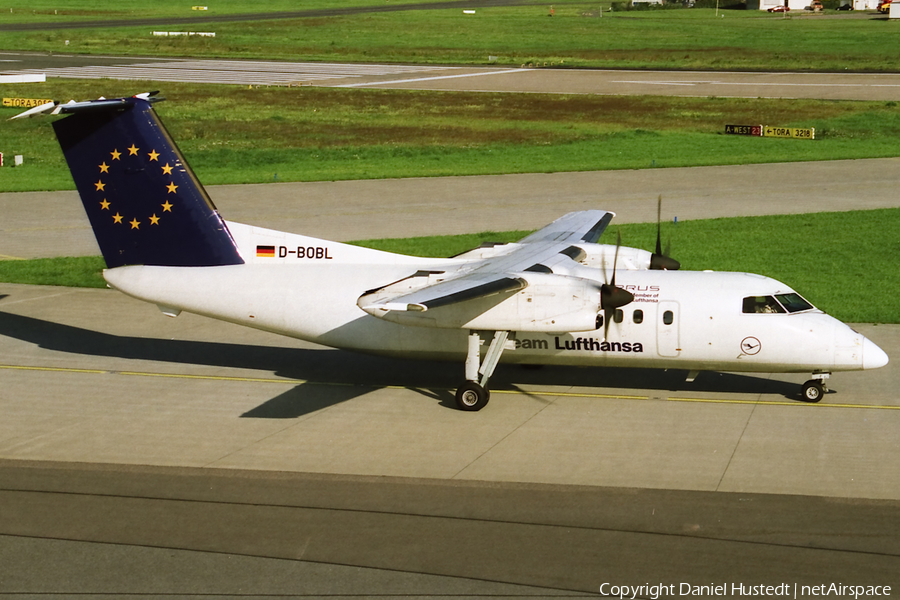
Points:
(116, 154)
(167, 207)
(153, 154)
(167, 170)
(133, 150)
(171, 187)
(154, 220)
(117, 218)
(104, 205)
(135, 224)
(104, 168)
(100, 186)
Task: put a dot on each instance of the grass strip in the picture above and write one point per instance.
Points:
(579, 34)
(841, 262)
(235, 135)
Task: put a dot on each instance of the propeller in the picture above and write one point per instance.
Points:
(659, 260)
(611, 296)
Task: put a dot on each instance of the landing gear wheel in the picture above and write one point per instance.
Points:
(470, 396)
(813, 390)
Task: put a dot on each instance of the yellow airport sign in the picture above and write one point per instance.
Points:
(25, 102)
(789, 132)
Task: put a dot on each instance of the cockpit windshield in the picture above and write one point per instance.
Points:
(780, 303)
(794, 302)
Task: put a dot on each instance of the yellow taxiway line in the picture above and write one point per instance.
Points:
(285, 381)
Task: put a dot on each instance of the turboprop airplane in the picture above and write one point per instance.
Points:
(543, 300)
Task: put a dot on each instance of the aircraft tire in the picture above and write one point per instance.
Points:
(813, 391)
(471, 397)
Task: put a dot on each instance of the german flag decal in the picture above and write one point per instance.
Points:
(265, 251)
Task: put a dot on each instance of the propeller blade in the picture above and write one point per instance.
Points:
(616, 257)
(613, 297)
(658, 225)
(659, 260)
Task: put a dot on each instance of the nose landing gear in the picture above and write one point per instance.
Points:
(815, 388)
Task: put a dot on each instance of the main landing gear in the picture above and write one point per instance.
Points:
(815, 388)
(473, 394)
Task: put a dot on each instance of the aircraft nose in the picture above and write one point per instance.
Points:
(873, 356)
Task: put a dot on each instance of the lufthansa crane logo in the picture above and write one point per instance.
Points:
(750, 345)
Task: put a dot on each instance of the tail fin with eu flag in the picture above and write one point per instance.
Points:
(144, 202)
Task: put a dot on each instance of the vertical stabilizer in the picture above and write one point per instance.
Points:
(145, 204)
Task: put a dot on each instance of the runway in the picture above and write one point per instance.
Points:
(491, 78)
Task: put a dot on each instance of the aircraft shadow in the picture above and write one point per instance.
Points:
(356, 374)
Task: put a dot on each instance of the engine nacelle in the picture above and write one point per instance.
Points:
(602, 256)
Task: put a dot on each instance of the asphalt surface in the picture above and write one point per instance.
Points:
(181, 532)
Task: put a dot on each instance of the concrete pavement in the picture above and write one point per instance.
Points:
(93, 376)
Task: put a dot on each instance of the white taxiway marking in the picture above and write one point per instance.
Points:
(757, 83)
(432, 78)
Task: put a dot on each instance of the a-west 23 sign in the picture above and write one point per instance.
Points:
(755, 130)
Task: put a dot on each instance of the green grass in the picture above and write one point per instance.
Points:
(579, 34)
(81, 271)
(38, 11)
(836, 260)
(236, 135)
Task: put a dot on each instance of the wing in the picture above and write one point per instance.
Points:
(493, 276)
(550, 244)
(460, 289)
(583, 226)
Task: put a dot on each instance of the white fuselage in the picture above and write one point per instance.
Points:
(679, 319)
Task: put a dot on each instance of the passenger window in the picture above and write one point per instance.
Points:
(638, 316)
(761, 305)
(619, 316)
(668, 317)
